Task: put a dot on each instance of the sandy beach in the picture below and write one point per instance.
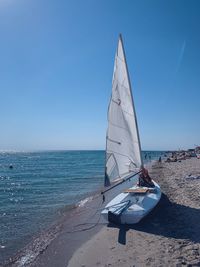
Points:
(169, 236)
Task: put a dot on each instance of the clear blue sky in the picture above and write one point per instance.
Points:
(56, 64)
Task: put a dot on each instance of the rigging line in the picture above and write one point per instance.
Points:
(118, 206)
(85, 229)
(98, 208)
(124, 180)
(93, 224)
(122, 209)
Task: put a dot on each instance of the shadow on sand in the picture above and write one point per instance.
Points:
(168, 219)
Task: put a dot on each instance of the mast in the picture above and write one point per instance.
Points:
(138, 136)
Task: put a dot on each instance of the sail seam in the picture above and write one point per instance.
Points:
(122, 108)
(131, 161)
(114, 141)
(123, 86)
(118, 126)
(121, 155)
(121, 59)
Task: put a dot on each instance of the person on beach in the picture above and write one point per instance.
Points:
(145, 179)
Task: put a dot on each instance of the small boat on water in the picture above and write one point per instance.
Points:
(123, 152)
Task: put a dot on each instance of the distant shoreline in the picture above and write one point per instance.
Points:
(68, 150)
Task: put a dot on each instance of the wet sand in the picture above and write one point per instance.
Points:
(55, 246)
(169, 236)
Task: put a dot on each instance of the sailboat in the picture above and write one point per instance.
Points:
(123, 152)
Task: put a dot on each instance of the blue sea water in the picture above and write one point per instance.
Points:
(39, 185)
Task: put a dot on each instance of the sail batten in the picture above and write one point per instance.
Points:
(123, 152)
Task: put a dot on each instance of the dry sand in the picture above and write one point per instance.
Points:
(169, 236)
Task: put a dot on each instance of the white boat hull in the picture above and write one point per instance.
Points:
(139, 205)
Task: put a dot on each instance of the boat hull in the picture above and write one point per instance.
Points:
(135, 206)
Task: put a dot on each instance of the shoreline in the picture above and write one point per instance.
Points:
(168, 236)
(38, 250)
(41, 240)
(10, 250)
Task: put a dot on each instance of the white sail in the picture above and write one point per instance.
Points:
(123, 151)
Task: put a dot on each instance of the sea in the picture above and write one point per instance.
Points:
(36, 187)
